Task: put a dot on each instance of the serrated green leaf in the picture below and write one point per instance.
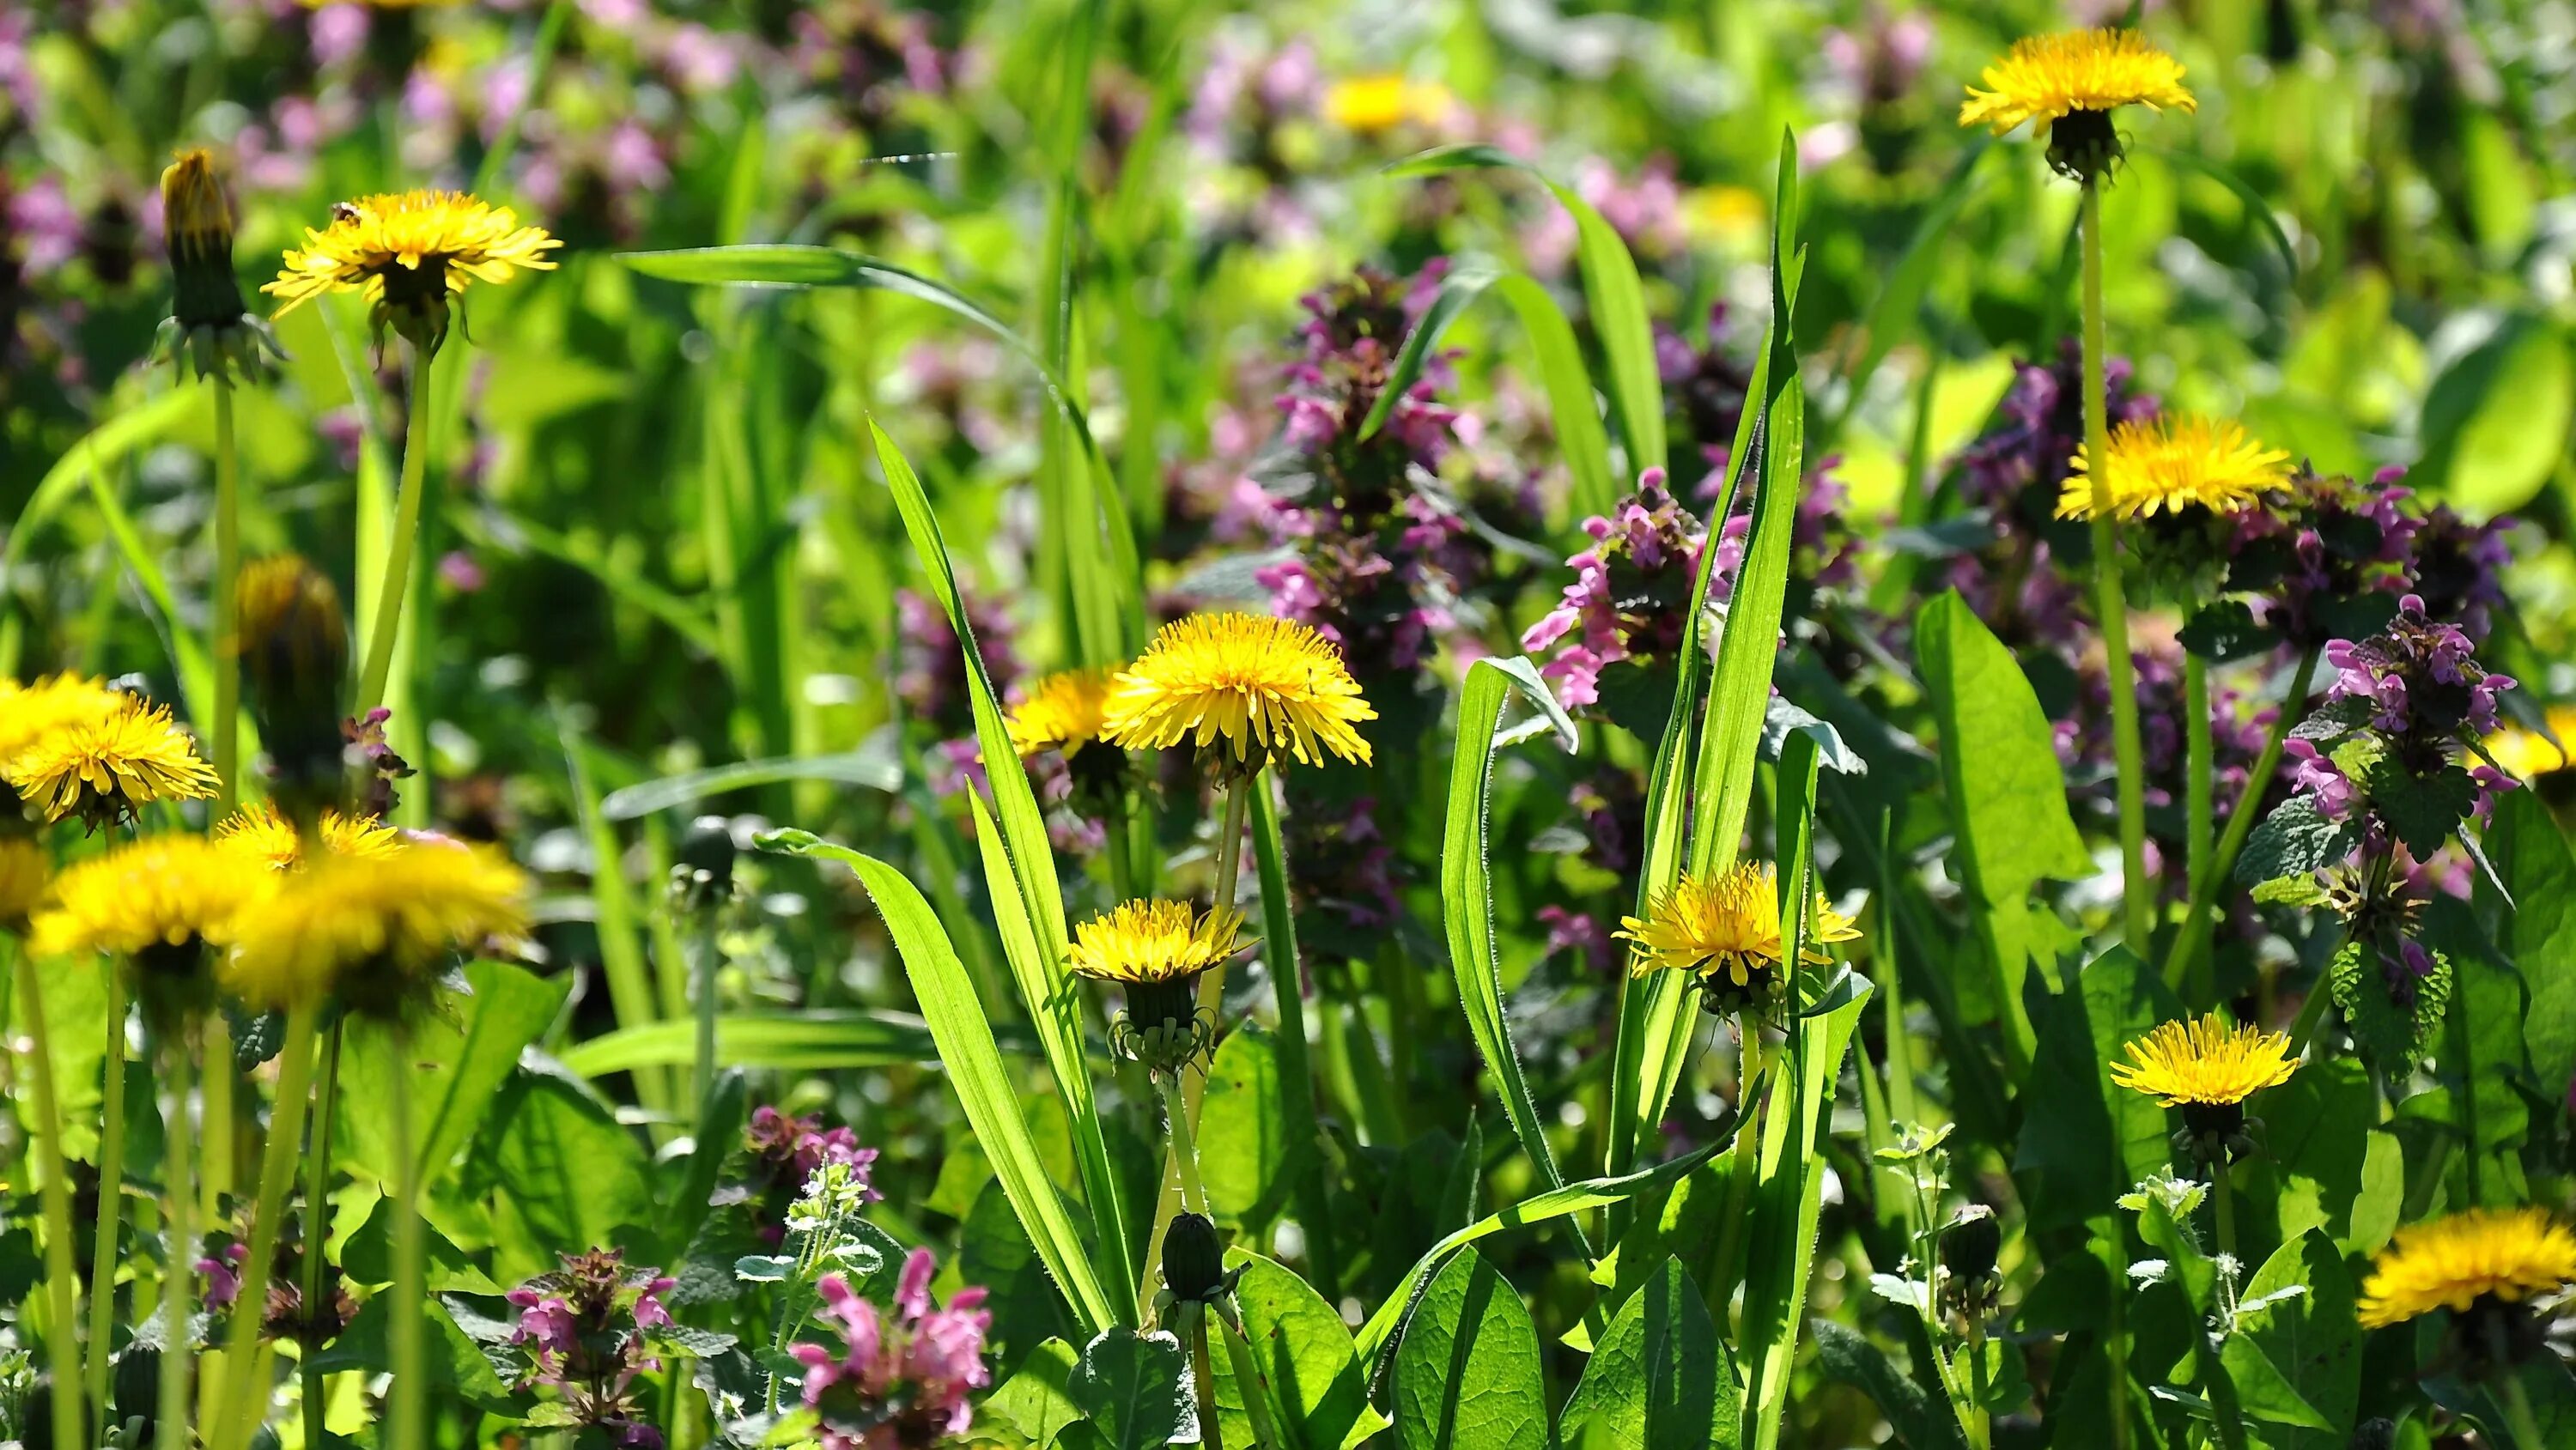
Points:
(2295, 840)
(1135, 1390)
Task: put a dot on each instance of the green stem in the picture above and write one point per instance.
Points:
(710, 958)
(2518, 1413)
(179, 1249)
(215, 1076)
(408, 1297)
(1741, 1171)
(1211, 1437)
(1229, 840)
(1254, 1387)
(2225, 1206)
(317, 1233)
(227, 641)
(111, 1200)
(1980, 1420)
(2197, 925)
(242, 1398)
(62, 1337)
(2199, 789)
(406, 530)
(2312, 1013)
(2109, 600)
(1185, 1145)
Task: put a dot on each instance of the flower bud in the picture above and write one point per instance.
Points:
(294, 649)
(208, 324)
(704, 874)
(1193, 1259)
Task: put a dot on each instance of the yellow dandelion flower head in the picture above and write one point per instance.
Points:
(169, 891)
(2530, 754)
(2451, 1263)
(1726, 926)
(23, 878)
(408, 253)
(2176, 462)
(2214, 1061)
(2045, 78)
(374, 929)
(195, 215)
(1258, 683)
(1063, 712)
(32, 711)
(102, 769)
(1154, 941)
(259, 832)
(1382, 102)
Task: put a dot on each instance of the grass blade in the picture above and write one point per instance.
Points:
(1296, 1063)
(973, 1057)
(872, 766)
(794, 1042)
(1458, 292)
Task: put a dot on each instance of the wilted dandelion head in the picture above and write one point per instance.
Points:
(1153, 941)
(23, 878)
(260, 833)
(2506, 1255)
(1266, 687)
(156, 901)
(1062, 712)
(2214, 1061)
(2172, 463)
(101, 769)
(2070, 83)
(374, 930)
(1726, 929)
(409, 252)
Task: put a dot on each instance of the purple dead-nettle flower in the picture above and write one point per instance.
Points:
(586, 1331)
(1579, 933)
(1630, 599)
(786, 1151)
(2420, 678)
(900, 1380)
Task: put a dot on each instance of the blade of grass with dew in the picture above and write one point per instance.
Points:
(975, 1069)
(1612, 292)
(1296, 1062)
(1033, 914)
(1467, 896)
(1654, 1020)
(136, 427)
(791, 1042)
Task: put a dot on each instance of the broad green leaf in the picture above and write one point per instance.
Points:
(994, 1251)
(2316, 1131)
(2483, 1062)
(2495, 423)
(2084, 1139)
(717, 1135)
(1028, 900)
(457, 1067)
(457, 1367)
(2297, 1360)
(1302, 1352)
(2538, 934)
(976, 1071)
(1466, 1371)
(1660, 1377)
(1037, 1402)
(2007, 794)
(1245, 1154)
(569, 1176)
(1580, 439)
(1466, 891)
(1135, 1390)
(1922, 1419)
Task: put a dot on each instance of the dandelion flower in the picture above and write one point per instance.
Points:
(1153, 941)
(1266, 686)
(156, 901)
(2212, 1062)
(2071, 83)
(2507, 1255)
(1063, 712)
(259, 832)
(2172, 463)
(22, 881)
(2045, 78)
(30, 712)
(1376, 103)
(102, 769)
(373, 929)
(1726, 930)
(409, 253)
(2529, 754)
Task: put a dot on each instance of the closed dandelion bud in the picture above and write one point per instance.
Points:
(1193, 1259)
(295, 660)
(1972, 1240)
(703, 875)
(2375, 1435)
(208, 325)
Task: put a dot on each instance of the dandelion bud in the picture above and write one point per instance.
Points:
(704, 873)
(295, 659)
(1972, 1240)
(208, 325)
(1193, 1259)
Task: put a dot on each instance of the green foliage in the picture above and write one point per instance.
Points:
(1467, 1370)
(1660, 1377)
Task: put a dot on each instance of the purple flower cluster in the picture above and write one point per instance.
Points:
(787, 1151)
(2421, 678)
(586, 1330)
(900, 1381)
(1630, 599)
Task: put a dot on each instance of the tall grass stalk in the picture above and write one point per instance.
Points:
(317, 1232)
(408, 1296)
(111, 1198)
(238, 1417)
(392, 586)
(2111, 602)
(227, 642)
(170, 1425)
(62, 1310)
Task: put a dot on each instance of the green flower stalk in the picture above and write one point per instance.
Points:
(62, 1304)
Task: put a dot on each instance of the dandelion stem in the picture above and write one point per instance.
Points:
(179, 1246)
(111, 1198)
(62, 1329)
(1980, 1419)
(2518, 1413)
(1185, 1145)
(317, 1232)
(1742, 1169)
(710, 957)
(1211, 1437)
(1253, 1385)
(406, 530)
(2312, 1013)
(2225, 1208)
(2198, 788)
(2194, 938)
(2109, 600)
(227, 625)
(242, 1397)
(408, 1298)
